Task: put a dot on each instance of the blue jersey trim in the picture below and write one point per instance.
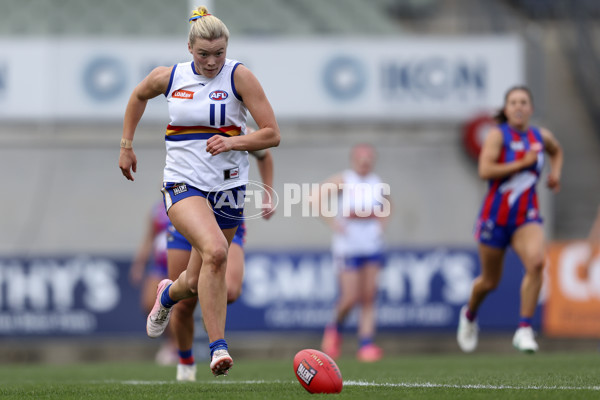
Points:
(193, 136)
(507, 138)
(194, 69)
(235, 93)
(171, 80)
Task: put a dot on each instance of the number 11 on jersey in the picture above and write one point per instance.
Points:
(213, 116)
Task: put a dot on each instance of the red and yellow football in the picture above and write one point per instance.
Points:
(317, 372)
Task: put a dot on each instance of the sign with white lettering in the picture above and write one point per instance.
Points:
(418, 290)
(283, 291)
(324, 79)
(67, 296)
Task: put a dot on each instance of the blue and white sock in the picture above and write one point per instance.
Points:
(220, 344)
(166, 300)
(364, 342)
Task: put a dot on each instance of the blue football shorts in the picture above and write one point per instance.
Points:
(359, 261)
(228, 205)
(498, 236)
(176, 240)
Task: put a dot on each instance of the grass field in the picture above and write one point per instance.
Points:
(456, 376)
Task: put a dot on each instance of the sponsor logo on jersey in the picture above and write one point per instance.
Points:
(180, 189)
(183, 94)
(232, 173)
(517, 146)
(306, 372)
(218, 95)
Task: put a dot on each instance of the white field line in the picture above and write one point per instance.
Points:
(372, 384)
(490, 387)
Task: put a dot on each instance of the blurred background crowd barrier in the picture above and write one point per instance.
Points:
(416, 78)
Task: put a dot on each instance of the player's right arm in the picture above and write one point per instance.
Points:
(490, 167)
(154, 84)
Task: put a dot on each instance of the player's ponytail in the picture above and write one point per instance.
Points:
(206, 26)
(500, 117)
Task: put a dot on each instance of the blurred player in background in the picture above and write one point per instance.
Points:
(593, 243)
(206, 162)
(182, 319)
(357, 249)
(512, 159)
(149, 267)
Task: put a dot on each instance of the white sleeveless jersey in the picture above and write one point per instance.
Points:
(200, 108)
(361, 236)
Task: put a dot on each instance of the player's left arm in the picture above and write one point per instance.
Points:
(254, 98)
(555, 154)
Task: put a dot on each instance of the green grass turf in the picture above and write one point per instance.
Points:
(455, 376)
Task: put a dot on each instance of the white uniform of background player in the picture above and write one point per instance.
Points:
(363, 206)
(361, 233)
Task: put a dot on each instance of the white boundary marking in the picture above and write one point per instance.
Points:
(491, 387)
(365, 383)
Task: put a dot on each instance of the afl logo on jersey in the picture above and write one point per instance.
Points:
(183, 94)
(218, 95)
